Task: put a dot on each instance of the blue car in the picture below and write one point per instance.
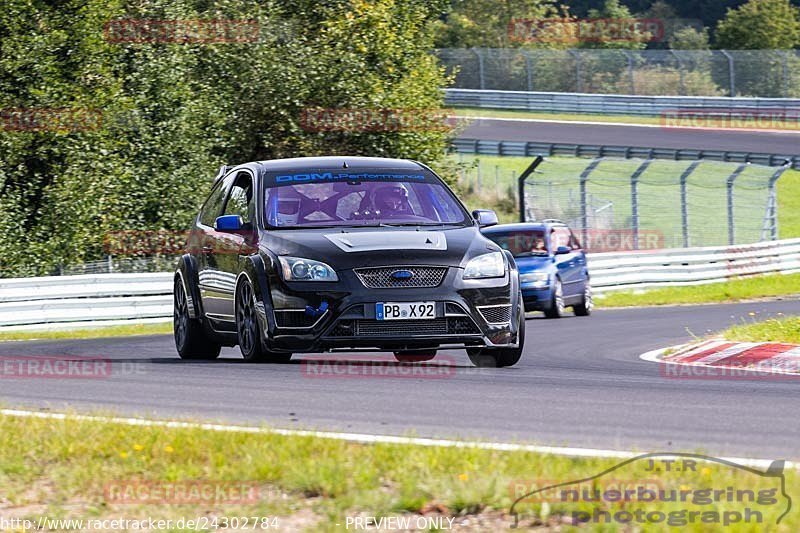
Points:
(552, 266)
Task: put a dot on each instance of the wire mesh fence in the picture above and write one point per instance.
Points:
(647, 204)
(757, 73)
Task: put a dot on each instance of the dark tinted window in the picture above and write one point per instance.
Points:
(213, 206)
(520, 243)
(240, 200)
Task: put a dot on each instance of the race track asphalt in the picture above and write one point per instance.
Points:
(580, 383)
(783, 143)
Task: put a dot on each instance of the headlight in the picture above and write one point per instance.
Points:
(491, 265)
(299, 269)
(539, 279)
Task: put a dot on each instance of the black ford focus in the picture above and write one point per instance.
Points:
(326, 254)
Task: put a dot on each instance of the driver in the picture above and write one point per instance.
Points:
(392, 200)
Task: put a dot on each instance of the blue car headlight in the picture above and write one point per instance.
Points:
(540, 280)
(491, 265)
(299, 269)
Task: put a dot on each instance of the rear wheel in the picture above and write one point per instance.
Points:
(414, 356)
(250, 340)
(556, 309)
(587, 304)
(190, 339)
(500, 357)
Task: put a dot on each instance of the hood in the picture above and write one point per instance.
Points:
(356, 247)
(533, 263)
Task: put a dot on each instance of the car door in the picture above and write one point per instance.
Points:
(211, 292)
(566, 263)
(233, 247)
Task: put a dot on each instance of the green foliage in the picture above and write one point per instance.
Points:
(760, 25)
(172, 112)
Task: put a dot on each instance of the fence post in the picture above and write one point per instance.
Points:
(785, 54)
(578, 82)
(684, 204)
(481, 72)
(731, 73)
(680, 71)
(635, 200)
(529, 69)
(584, 215)
(771, 216)
(630, 70)
(521, 185)
(731, 224)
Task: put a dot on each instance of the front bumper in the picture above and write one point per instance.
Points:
(468, 313)
(537, 299)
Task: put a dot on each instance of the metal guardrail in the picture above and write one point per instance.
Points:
(691, 266)
(97, 299)
(532, 148)
(615, 104)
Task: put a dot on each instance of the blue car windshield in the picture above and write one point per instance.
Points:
(325, 198)
(520, 243)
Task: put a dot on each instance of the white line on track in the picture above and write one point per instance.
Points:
(623, 124)
(367, 438)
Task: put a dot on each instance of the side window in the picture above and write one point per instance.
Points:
(560, 236)
(240, 200)
(574, 243)
(213, 206)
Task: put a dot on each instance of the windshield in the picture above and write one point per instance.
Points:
(521, 243)
(365, 198)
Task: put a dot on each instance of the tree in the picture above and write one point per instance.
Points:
(688, 38)
(760, 25)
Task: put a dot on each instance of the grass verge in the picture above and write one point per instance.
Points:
(88, 333)
(77, 469)
(785, 329)
(589, 117)
(730, 291)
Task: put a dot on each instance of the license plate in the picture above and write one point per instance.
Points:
(405, 310)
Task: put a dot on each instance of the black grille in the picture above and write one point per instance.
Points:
(381, 277)
(294, 319)
(496, 314)
(404, 328)
(453, 309)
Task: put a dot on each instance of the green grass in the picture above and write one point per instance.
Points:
(88, 333)
(786, 329)
(580, 117)
(732, 291)
(61, 468)
(502, 113)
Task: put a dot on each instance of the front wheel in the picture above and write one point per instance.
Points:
(587, 303)
(500, 357)
(556, 309)
(247, 329)
(190, 339)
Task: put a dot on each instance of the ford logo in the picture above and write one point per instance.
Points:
(402, 275)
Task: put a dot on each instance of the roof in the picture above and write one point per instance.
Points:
(338, 162)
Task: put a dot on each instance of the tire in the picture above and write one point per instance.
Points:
(414, 356)
(587, 303)
(500, 357)
(556, 309)
(250, 340)
(191, 340)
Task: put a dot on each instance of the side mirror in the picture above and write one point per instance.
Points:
(485, 217)
(562, 250)
(228, 223)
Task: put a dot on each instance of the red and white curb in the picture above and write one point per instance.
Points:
(740, 358)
